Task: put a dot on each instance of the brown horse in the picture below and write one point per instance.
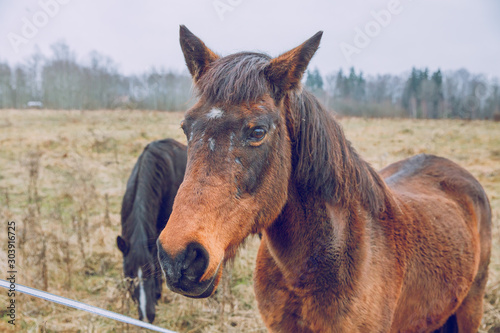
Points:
(344, 248)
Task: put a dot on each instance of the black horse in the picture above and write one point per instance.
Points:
(146, 207)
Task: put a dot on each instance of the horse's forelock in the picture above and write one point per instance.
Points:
(235, 79)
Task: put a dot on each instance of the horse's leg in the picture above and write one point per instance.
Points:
(470, 312)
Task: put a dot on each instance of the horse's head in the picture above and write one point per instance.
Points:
(239, 159)
(139, 268)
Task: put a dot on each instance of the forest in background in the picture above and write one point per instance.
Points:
(61, 81)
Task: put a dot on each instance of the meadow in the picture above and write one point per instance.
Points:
(62, 178)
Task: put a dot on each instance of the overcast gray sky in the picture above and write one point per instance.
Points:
(378, 36)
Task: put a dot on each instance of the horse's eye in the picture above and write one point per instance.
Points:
(258, 134)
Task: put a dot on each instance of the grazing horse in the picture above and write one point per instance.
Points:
(146, 206)
(344, 248)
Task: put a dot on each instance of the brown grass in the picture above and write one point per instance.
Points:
(62, 177)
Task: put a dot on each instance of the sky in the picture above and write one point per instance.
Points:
(374, 36)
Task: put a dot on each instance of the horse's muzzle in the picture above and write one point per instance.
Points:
(183, 273)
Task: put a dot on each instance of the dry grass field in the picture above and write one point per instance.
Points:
(62, 177)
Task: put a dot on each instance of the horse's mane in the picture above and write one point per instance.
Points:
(323, 160)
(144, 197)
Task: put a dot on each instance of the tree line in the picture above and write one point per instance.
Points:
(419, 94)
(60, 81)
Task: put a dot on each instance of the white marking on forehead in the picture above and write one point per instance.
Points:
(190, 136)
(215, 113)
(274, 126)
(211, 143)
(142, 294)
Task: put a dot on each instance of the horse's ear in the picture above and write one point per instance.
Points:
(285, 72)
(122, 245)
(196, 54)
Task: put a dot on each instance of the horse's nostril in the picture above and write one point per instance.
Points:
(184, 271)
(195, 263)
(190, 257)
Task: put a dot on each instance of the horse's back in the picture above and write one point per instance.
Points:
(170, 145)
(429, 175)
(168, 158)
(448, 217)
(171, 151)
(155, 178)
(433, 180)
(436, 174)
(160, 152)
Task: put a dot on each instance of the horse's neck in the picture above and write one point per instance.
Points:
(142, 223)
(333, 196)
(311, 239)
(148, 201)
(323, 232)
